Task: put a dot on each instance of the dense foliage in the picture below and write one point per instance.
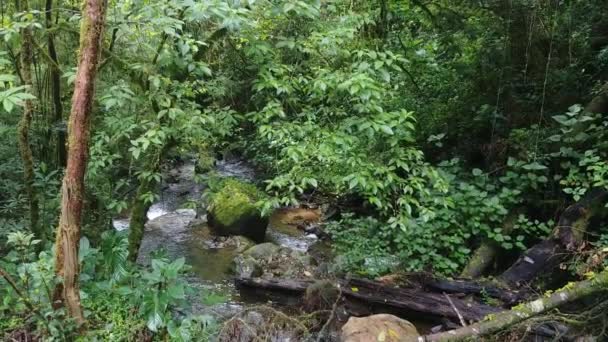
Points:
(423, 125)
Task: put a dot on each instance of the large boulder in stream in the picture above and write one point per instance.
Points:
(382, 327)
(232, 210)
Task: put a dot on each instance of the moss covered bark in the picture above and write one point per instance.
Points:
(24, 128)
(138, 219)
(497, 322)
(139, 207)
(72, 192)
(55, 79)
(487, 251)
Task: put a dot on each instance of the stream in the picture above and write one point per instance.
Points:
(182, 232)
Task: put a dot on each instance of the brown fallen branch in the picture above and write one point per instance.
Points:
(406, 301)
(565, 238)
(500, 321)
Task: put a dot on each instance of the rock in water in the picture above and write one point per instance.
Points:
(232, 210)
(275, 261)
(382, 327)
(247, 267)
(262, 251)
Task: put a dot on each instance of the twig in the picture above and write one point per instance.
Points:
(331, 314)
(462, 322)
(26, 300)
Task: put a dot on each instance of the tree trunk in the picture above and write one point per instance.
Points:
(24, 127)
(55, 89)
(565, 238)
(485, 254)
(599, 104)
(140, 206)
(72, 191)
(505, 319)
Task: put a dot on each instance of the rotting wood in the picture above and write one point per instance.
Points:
(563, 241)
(505, 319)
(405, 300)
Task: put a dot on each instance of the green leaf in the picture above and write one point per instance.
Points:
(386, 129)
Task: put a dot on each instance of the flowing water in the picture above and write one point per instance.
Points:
(180, 233)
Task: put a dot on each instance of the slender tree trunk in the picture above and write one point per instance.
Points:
(24, 127)
(55, 89)
(72, 191)
(138, 218)
(140, 207)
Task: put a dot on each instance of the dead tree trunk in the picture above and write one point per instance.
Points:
(72, 191)
(566, 236)
(27, 46)
(505, 319)
(402, 301)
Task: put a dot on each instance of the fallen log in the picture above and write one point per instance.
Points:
(415, 300)
(500, 321)
(480, 288)
(406, 301)
(565, 238)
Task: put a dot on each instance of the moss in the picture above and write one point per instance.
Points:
(233, 210)
(234, 200)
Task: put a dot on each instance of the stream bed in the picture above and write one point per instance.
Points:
(182, 232)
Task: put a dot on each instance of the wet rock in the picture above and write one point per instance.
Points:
(237, 243)
(262, 251)
(263, 325)
(240, 243)
(382, 327)
(244, 329)
(169, 232)
(232, 210)
(278, 261)
(247, 267)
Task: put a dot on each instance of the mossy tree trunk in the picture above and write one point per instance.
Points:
(599, 104)
(24, 127)
(500, 321)
(55, 76)
(487, 251)
(140, 206)
(72, 191)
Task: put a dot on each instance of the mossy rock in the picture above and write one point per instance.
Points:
(232, 210)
